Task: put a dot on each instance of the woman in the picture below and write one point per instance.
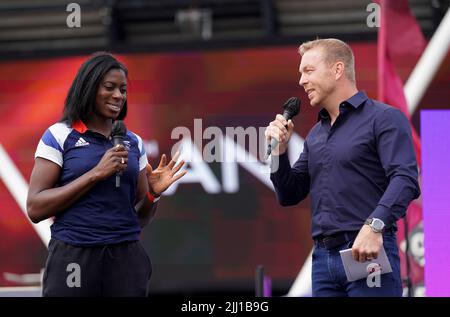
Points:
(94, 248)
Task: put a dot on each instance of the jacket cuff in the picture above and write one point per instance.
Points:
(279, 161)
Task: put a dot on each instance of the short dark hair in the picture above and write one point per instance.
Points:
(80, 100)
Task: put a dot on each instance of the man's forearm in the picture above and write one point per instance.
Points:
(396, 199)
(289, 184)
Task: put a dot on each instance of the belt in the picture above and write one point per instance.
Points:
(330, 242)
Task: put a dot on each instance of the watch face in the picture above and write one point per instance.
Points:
(378, 224)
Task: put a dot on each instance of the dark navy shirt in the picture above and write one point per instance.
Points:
(105, 214)
(363, 166)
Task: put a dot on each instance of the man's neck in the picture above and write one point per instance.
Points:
(333, 101)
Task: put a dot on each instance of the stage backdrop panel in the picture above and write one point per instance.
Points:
(220, 221)
(436, 204)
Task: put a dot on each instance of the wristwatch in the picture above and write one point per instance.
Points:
(376, 224)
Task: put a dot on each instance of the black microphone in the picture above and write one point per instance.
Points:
(291, 108)
(119, 130)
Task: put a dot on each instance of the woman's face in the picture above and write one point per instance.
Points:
(111, 94)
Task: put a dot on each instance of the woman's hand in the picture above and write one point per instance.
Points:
(114, 160)
(164, 175)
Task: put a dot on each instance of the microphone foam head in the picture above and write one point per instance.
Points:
(118, 129)
(292, 106)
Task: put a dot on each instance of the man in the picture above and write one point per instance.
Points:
(358, 163)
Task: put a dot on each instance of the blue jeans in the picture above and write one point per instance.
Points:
(329, 279)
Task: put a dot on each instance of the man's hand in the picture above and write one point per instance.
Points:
(281, 130)
(164, 175)
(367, 244)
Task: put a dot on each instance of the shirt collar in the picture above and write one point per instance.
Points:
(79, 126)
(355, 101)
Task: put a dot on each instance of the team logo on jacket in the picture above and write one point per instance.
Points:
(81, 142)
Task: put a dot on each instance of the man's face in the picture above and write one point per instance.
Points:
(316, 76)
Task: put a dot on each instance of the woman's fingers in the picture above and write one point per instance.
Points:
(178, 176)
(174, 160)
(177, 168)
(162, 162)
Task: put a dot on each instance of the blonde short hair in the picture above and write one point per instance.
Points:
(335, 51)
